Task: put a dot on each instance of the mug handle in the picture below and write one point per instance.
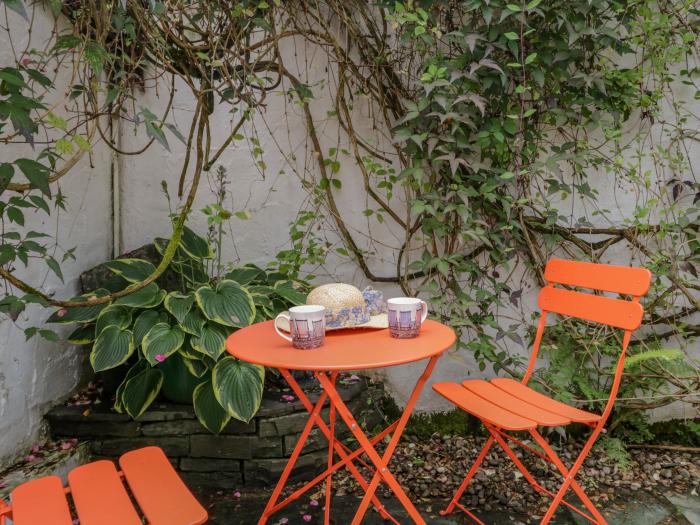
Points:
(279, 332)
(425, 311)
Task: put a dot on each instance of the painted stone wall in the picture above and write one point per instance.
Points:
(36, 374)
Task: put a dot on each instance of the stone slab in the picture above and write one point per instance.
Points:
(174, 446)
(266, 472)
(209, 465)
(234, 447)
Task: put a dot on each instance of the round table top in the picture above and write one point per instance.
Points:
(350, 349)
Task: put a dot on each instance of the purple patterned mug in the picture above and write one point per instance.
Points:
(307, 326)
(406, 315)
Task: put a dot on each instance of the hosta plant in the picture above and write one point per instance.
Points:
(176, 331)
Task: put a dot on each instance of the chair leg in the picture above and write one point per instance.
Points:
(458, 495)
(569, 481)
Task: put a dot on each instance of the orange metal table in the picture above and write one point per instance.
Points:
(344, 350)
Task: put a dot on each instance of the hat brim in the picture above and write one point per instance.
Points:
(376, 322)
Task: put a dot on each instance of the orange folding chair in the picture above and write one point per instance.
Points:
(99, 496)
(503, 404)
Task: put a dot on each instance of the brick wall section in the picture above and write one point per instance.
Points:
(243, 454)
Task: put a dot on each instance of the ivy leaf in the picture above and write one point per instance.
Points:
(6, 173)
(37, 174)
(18, 7)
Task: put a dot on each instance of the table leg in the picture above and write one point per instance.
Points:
(331, 447)
(337, 445)
(380, 463)
(315, 415)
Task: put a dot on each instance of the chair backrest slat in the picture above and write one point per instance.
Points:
(605, 277)
(597, 308)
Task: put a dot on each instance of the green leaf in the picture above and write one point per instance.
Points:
(161, 340)
(211, 341)
(153, 130)
(195, 365)
(246, 274)
(179, 305)
(133, 270)
(144, 322)
(113, 315)
(18, 7)
(149, 296)
(83, 314)
(287, 291)
(666, 354)
(193, 322)
(138, 367)
(83, 335)
(238, 386)
(6, 174)
(512, 36)
(37, 174)
(113, 346)
(209, 411)
(140, 391)
(228, 304)
(195, 245)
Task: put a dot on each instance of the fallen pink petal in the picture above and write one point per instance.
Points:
(306, 517)
(160, 358)
(313, 503)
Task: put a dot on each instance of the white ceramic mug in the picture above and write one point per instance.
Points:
(307, 326)
(406, 315)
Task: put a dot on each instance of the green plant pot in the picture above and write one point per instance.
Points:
(178, 383)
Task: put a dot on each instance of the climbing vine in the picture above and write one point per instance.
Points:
(477, 139)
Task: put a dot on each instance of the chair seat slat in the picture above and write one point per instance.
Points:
(481, 408)
(533, 397)
(161, 494)
(596, 308)
(513, 404)
(100, 497)
(40, 502)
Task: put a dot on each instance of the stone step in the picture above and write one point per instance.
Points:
(55, 463)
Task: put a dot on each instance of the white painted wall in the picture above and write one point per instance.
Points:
(36, 374)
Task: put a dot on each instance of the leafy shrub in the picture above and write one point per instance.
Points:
(158, 331)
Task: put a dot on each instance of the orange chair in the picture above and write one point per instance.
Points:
(503, 404)
(100, 498)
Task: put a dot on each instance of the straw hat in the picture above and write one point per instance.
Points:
(348, 307)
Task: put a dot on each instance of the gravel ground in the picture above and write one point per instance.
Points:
(433, 469)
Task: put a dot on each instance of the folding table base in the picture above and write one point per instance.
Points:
(378, 464)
